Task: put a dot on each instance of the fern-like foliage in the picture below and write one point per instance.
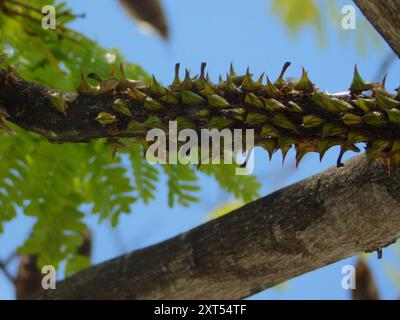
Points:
(182, 184)
(13, 171)
(242, 187)
(59, 185)
(107, 185)
(145, 175)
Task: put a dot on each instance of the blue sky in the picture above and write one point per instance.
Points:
(219, 32)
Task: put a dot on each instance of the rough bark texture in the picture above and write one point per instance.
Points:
(318, 221)
(323, 219)
(384, 16)
(29, 106)
(308, 120)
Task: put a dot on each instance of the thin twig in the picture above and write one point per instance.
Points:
(10, 258)
(24, 5)
(38, 10)
(11, 12)
(3, 267)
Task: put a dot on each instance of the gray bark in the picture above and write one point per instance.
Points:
(384, 16)
(323, 219)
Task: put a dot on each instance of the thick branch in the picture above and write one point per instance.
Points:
(295, 114)
(384, 16)
(313, 223)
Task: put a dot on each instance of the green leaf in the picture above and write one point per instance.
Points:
(145, 175)
(182, 184)
(245, 188)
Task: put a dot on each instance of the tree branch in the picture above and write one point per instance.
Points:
(295, 114)
(384, 16)
(326, 218)
(323, 219)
